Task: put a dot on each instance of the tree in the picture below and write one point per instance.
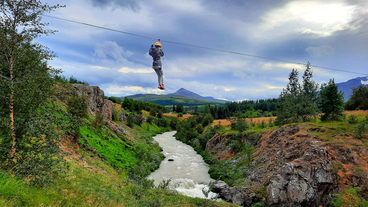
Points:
(296, 102)
(359, 98)
(180, 108)
(174, 107)
(310, 88)
(331, 101)
(25, 81)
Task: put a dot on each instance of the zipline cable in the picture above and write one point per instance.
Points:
(196, 46)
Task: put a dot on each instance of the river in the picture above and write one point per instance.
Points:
(188, 172)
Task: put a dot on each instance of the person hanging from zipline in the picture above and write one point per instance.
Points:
(156, 54)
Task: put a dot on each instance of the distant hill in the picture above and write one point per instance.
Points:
(169, 100)
(346, 86)
(187, 93)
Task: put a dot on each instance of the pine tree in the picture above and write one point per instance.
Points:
(310, 88)
(174, 107)
(359, 98)
(331, 101)
(180, 108)
(296, 102)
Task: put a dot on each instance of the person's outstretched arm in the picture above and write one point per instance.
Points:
(150, 50)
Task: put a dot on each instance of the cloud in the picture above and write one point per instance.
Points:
(284, 66)
(129, 4)
(320, 51)
(99, 68)
(239, 73)
(229, 89)
(129, 70)
(116, 90)
(318, 18)
(112, 49)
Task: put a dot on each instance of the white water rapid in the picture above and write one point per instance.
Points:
(188, 172)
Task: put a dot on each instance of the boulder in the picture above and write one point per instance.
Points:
(242, 196)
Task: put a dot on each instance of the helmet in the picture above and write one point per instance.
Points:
(158, 44)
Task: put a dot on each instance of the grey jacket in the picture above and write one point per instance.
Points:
(156, 55)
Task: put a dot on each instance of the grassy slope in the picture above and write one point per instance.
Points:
(95, 181)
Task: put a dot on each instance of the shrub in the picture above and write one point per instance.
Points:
(239, 125)
(180, 115)
(98, 122)
(159, 115)
(208, 119)
(359, 170)
(78, 106)
(200, 129)
(161, 122)
(149, 120)
(271, 122)
(130, 121)
(174, 123)
(153, 112)
(139, 120)
(337, 166)
(353, 119)
(115, 115)
(360, 130)
(263, 124)
(349, 198)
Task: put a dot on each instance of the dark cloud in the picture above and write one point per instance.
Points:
(129, 4)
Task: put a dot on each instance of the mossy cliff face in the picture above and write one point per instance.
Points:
(295, 168)
(96, 100)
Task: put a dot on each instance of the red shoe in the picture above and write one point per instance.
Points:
(162, 87)
(159, 86)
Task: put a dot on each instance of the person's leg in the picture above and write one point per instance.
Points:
(158, 72)
(162, 75)
(162, 78)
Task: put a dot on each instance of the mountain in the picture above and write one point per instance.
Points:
(346, 86)
(187, 98)
(187, 93)
(169, 100)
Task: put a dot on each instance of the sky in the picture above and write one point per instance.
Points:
(326, 33)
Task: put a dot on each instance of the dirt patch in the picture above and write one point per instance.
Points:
(356, 112)
(185, 116)
(225, 122)
(117, 106)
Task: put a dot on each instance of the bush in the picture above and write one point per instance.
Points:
(353, 119)
(139, 120)
(263, 124)
(180, 115)
(78, 106)
(239, 125)
(360, 130)
(200, 129)
(271, 122)
(174, 123)
(159, 115)
(208, 119)
(130, 121)
(115, 115)
(149, 120)
(349, 198)
(153, 112)
(161, 122)
(98, 122)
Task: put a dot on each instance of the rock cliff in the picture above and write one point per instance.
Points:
(296, 168)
